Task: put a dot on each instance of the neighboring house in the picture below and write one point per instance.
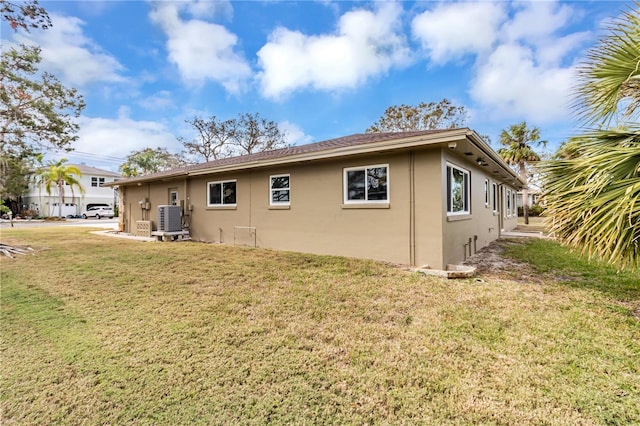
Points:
(415, 198)
(42, 204)
(533, 196)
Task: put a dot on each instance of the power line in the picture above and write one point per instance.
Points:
(91, 156)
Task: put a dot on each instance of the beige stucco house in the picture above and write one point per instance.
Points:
(415, 198)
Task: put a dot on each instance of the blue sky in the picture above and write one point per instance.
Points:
(320, 69)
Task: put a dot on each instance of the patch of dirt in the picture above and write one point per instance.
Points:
(491, 262)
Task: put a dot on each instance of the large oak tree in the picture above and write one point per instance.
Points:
(246, 134)
(150, 160)
(37, 112)
(424, 116)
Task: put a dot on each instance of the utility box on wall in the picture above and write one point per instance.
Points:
(169, 218)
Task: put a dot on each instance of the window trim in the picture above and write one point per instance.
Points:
(466, 190)
(97, 181)
(508, 201)
(345, 185)
(487, 193)
(222, 203)
(271, 190)
(494, 187)
(174, 191)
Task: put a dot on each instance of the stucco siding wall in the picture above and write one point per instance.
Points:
(216, 224)
(316, 220)
(429, 207)
(467, 234)
(319, 222)
(132, 211)
(508, 207)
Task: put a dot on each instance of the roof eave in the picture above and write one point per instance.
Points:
(369, 148)
(374, 147)
(401, 143)
(477, 140)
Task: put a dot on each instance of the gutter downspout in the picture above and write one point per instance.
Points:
(500, 209)
(412, 209)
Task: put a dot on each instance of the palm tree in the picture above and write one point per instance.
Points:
(58, 175)
(517, 141)
(593, 185)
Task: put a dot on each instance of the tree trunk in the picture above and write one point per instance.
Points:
(525, 194)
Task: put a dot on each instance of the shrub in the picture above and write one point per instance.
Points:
(534, 210)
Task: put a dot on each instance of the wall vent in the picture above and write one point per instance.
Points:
(143, 228)
(169, 218)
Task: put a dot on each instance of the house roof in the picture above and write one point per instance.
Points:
(340, 147)
(88, 170)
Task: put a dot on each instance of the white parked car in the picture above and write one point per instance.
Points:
(98, 212)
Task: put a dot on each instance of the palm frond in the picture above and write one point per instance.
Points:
(594, 198)
(611, 73)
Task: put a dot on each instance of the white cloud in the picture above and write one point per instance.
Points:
(549, 18)
(366, 44)
(294, 135)
(523, 67)
(454, 29)
(208, 8)
(159, 101)
(511, 84)
(74, 58)
(536, 21)
(530, 73)
(117, 137)
(201, 50)
(555, 51)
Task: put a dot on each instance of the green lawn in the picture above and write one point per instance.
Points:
(99, 330)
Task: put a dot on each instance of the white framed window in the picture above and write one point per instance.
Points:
(494, 192)
(173, 197)
(221, 193)
(457, 190)
(96, 181)
(368, 184)
(280, 190)
(486, 193)
(513, 203)
(508, 199)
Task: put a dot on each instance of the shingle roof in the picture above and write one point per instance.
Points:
(346, 141)
(342, 142)
(333, 148)
(88, 170)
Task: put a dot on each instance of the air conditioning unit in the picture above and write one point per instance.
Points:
(169, 218)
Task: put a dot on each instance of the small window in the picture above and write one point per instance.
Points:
(486, 193)
(222, 193)
(96, 181)
(508, 197)
(494, 191)
(366, 184)
(280, 192)
(513, 203)
(457, 190)
(173, 197)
